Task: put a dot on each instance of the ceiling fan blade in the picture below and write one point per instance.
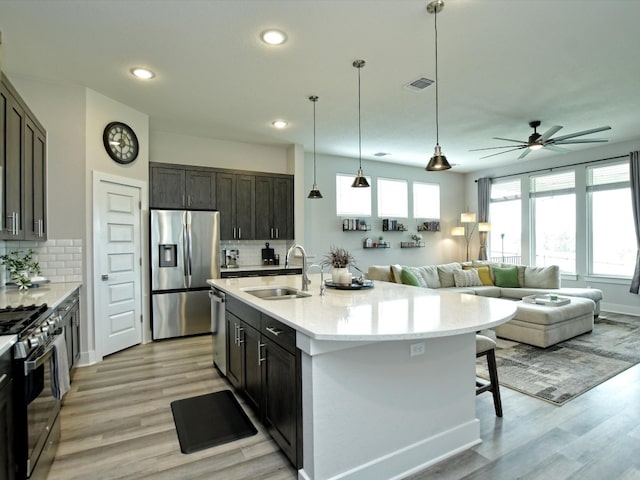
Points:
(584, 132)
(549, 133)
(509, 140)
(500, 153)
(586, 140)
(491, 148)
(552, 146)
(525, 153)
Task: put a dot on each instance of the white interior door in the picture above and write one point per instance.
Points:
(117, 266)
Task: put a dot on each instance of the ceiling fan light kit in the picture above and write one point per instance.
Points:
(438, 161)
(546, 140)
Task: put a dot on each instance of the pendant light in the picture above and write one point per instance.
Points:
(438, 162)
(314, 193)
(360, 180)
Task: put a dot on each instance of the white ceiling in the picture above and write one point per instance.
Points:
(502, 63)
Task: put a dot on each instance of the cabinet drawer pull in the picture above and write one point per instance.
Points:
(240, 339)
(239, 233)
(4, 377)
(274, 331)
(260, 358)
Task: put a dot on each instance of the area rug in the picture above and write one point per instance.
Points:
(209, 420)
(564, 371)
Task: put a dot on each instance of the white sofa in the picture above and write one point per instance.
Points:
(532, 280)
(540, 328)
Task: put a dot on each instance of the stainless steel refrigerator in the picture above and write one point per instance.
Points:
(185, 252)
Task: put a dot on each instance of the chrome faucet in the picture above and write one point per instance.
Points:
(305, 278)
(322, 287)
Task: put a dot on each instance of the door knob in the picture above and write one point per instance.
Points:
(105, 277)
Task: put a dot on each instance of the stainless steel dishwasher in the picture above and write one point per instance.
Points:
(219, 329)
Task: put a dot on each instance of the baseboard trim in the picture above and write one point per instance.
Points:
(393, 466)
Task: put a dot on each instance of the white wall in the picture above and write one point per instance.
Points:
(209, 152)
(100, 111)
(323, 227)
(616, 292)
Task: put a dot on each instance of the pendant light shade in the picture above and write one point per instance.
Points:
(360, 181)
(314, 193)
(438, 161)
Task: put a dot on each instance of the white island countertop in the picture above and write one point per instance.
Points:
(387, 311)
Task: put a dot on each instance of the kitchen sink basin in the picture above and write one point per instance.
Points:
(277, 293)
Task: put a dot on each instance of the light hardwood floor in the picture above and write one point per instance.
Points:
(117, 424)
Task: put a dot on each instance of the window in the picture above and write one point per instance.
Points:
(553, 203)
(352, 201)
(426, 200)
(612, 236)
(505, 217)
(392, 198)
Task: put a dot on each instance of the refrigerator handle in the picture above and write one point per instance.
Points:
(187, 265)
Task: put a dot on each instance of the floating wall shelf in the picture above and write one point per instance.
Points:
(355, 225)
(411, 244)
(430, 226)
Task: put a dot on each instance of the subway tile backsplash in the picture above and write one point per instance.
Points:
(60, 259)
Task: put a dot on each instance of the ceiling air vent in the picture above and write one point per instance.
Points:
(381, 154)
(419, 85)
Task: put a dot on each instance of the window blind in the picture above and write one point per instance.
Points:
(505, 191)
(554, 184)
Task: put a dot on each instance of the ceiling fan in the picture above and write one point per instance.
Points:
(537, 141)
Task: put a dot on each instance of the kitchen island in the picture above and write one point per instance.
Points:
(388, 373)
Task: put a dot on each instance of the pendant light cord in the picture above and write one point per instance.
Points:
(435, 24)
(359, 127)
(314, 140)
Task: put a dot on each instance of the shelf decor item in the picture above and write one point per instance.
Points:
(339, 259)
(21, 267)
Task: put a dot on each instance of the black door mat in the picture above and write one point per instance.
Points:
(209, 420)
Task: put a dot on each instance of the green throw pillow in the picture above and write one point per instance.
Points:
(506, 277)
(408, 278)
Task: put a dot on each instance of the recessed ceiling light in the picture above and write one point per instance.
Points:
(142, 73)
(279, 123)
(273, 37)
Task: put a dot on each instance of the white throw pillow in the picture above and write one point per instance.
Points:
(542, 277)
(466, 278)
(445, 273)
(430, 275)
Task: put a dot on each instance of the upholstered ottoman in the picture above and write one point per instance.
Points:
(543, 326)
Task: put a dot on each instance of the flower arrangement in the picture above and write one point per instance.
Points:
(338, 258)
(21, 267)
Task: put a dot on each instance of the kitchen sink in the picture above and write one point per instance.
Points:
(276, 293)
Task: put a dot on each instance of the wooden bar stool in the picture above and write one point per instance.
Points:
(485, 346)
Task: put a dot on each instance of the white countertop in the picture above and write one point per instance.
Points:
(387, 311)
(50, 293)
(6, 341)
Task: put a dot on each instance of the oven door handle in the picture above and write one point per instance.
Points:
(31, 365)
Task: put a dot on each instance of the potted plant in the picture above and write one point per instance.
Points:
(339, 259)
(21, 267)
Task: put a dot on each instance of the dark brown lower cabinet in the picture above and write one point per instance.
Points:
(264, 366)
(280, 399)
